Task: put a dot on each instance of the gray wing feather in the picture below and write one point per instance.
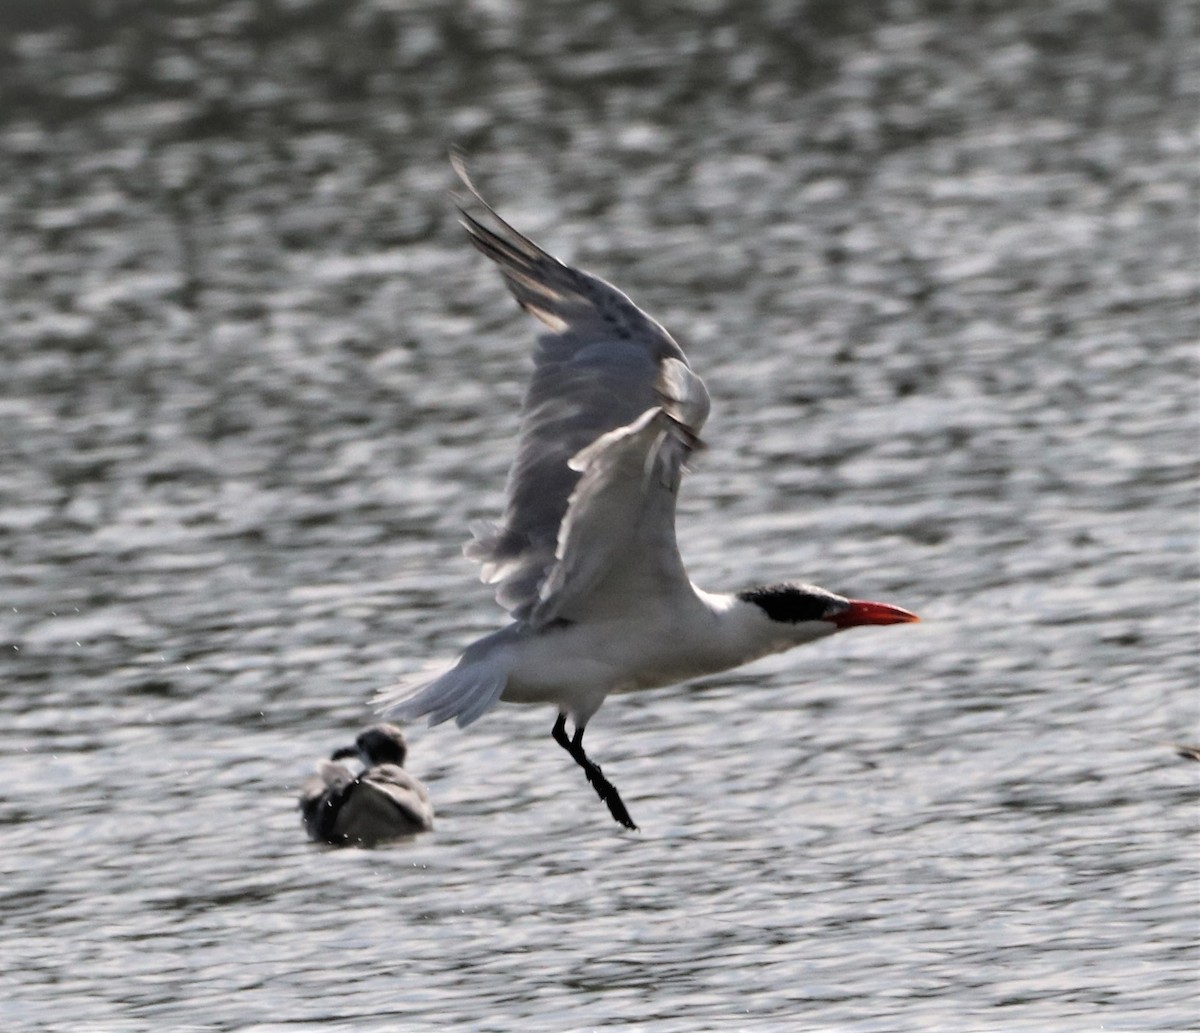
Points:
(403, 792)
(601, 364)
(617, 542)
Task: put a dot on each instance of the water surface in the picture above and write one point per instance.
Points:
(939, 272)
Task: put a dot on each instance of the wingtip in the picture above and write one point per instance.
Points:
(467, 195)
(458, 162)
(505, 245)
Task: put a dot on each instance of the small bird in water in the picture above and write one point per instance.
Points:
(585, 559)
(383, 801)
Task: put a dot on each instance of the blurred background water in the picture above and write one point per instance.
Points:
(937, 263)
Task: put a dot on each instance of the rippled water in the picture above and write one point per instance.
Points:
(940, 273)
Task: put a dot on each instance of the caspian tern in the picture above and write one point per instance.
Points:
(585, 558)
(382, 802)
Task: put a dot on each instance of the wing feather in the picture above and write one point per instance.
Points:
(617, 540)
(600, 364)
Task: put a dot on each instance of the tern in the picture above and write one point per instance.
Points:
(585, 558)
(382, 802)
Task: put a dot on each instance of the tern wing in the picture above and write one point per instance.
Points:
(616, 546)
(400, 797)
(600, 364)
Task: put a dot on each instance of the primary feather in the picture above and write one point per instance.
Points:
(600, 364)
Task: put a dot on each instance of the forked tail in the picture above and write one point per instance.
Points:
(465, 692)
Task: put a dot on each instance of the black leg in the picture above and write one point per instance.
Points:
(604, 788)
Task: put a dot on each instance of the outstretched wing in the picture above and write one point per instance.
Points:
(616, 546)
(600, 364)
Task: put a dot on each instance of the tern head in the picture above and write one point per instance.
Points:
(377, 744)
(796, 604)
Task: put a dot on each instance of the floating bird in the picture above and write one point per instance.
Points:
(585, 558)
(382, 802)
